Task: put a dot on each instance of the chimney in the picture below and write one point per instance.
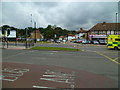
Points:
(81, 29)
(104, 23)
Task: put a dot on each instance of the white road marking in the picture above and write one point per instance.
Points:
(55, 75)
(12, 78)
(17, 70)
(43, 87)
(15, 74)
(56, 80)
(59, 77)
(10, 74)
(49, 75)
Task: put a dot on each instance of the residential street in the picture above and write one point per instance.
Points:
(60, 45)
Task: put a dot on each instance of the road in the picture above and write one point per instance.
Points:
(92, 59)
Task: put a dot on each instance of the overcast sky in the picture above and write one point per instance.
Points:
(68, 15)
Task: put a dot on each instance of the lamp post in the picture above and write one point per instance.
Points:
(30, 42)
(26, 38)
(35, 31)
(31, 20)
(117, 23)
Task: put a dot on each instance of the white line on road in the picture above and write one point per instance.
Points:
(43, 87)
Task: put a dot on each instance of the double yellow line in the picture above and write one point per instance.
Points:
(113, 60)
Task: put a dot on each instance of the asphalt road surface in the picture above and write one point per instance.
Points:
(94, 66)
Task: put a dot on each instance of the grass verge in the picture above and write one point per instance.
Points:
(55, 48)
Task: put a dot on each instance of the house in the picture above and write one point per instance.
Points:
(101, 30)
(36, 35)
(70, 37)
(10, 37)
(82, 34)
(61, 38)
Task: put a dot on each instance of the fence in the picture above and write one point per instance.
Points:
(25, 44)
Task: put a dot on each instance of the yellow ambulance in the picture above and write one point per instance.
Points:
(113, 41)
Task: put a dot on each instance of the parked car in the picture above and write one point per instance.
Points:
(57, 41)
(91, 41)
(77, 41)
(95, 42)
(101, 42)
(105, 41)
(51, 40)
(64, 41)
(86, 42)
(44, 40)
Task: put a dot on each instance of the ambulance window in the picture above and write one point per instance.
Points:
(117, 39)
(110, 38)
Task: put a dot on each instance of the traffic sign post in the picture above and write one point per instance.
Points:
(8, 33)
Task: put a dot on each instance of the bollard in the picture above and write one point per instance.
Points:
(77, 47)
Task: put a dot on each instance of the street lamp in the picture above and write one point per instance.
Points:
(117, 24)
(26, 37)
(31, 20)
(30, 42)
(35, 31)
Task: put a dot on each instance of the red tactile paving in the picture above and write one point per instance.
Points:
(38, 76)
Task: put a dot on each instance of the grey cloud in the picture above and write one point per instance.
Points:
(69, 15)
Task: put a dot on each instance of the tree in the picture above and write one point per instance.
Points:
(49, 32)
(4, 27)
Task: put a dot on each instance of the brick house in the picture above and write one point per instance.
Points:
(36, 35)
(101, 30)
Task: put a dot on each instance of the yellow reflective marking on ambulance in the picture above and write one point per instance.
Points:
(113, 41)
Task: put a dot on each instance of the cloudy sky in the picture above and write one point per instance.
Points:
(68, 15)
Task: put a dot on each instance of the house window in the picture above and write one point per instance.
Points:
(108, 32)
(93, 32)
(104, 32)
(96, 32)
(100, 32)
(116, 32)
(112, 32)
(119, 32)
